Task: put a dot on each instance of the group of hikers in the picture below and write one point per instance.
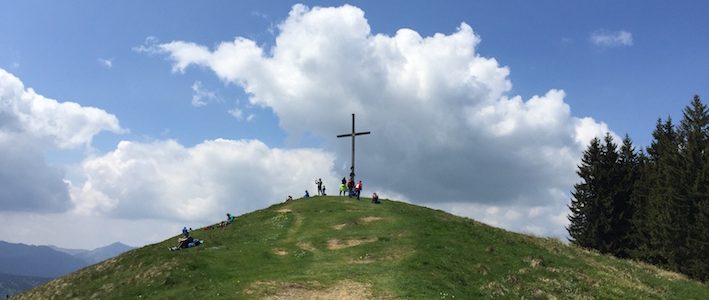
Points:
(347, 187)
(185, 240)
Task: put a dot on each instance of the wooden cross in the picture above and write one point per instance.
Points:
(353, 134)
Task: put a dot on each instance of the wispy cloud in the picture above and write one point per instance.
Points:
(106, 62)
(271, 26)
(202, 96)
(238, 114)
(610, 39)
(261, 15)
(149, 46)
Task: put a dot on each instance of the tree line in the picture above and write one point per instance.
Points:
(650, 205)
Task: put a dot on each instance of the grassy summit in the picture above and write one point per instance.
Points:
(339, 248)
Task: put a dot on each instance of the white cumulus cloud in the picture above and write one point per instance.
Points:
(31, 124)
(620, 38)
(66, 124)
(444, 128)
(165, 180)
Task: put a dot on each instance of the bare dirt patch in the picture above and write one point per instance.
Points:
(284, 210)
(307, 246)
(346, 289)
(395, 254)
(536, 262)
(334, 244)
(338, 226)
(369, 219)
(280, 251)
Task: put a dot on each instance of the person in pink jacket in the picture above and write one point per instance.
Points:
(358, 188)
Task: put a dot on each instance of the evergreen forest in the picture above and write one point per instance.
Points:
(650, 204)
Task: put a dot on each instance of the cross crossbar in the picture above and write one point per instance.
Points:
(356, 133)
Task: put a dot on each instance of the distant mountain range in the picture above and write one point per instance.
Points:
(13, 284)
(25, 266)
(96, 255)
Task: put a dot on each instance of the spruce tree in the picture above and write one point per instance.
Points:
(622, 208)
(585, 197)
(690, 234)
(656, 192)
(608, 179)
(637, 237)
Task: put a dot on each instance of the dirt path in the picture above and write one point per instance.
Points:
(293, 230)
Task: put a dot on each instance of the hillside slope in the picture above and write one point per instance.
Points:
(338, 248)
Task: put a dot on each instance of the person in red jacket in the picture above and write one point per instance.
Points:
(358, 188)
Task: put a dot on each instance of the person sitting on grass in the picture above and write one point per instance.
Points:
(185, 241)
(375, 198)
(307, 195)
(229, 220)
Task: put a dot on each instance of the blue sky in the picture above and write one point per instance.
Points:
(647, 61)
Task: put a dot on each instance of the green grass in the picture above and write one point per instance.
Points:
(404, 252)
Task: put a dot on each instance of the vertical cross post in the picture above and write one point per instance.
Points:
(353, 134)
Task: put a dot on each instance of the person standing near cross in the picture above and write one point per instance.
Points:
(353, 134)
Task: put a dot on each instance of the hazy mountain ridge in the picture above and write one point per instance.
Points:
(98, 254)
(25, 266)
(11, 284)
(38, 261)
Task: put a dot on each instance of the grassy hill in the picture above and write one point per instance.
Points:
(338, 248)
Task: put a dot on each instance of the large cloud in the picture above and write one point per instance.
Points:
(27, 183)
(165, 180)
(444, 128)
(31, 124)
(65, 124)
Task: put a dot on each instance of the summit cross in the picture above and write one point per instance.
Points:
(353, 134)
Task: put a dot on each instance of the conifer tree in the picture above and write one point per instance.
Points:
(637, 237)
(622, 208)
(655, 193)
(585, 197)
(607, 186)
(690, 234)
